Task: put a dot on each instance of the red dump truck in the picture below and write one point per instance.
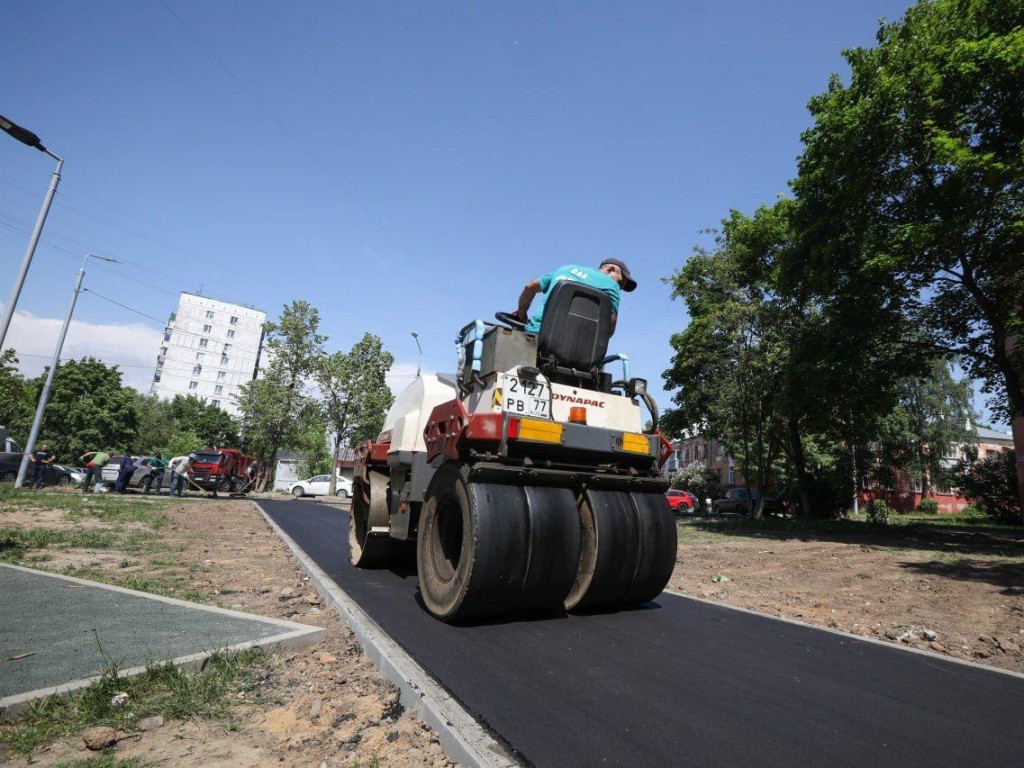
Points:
(227, 470)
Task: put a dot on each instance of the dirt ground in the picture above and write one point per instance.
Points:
(328, 705)
(956, 592)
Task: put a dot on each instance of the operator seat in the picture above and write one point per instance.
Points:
(574, 334)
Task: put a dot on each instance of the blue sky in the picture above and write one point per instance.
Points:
(402, 166)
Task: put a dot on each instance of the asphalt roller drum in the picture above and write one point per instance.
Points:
(629, 549)
(369, 509)
(484, 549)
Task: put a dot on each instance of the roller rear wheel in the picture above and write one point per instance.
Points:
(488, 548)
(369, 548)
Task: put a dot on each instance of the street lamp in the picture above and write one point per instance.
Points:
(45, 395)
(419, 365)
(26, 136)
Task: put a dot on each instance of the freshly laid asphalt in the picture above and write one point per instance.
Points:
(683, 682)
(57, 630)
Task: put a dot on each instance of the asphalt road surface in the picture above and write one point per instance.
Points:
(681, 682)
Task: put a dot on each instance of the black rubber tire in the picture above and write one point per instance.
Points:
(629, 549)
(485, 549)
(298, 492)
(8, 477)
(64, 481)
(341, 493)
(366, 550)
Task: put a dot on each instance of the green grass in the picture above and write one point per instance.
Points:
(160, 690)
(168, 586)
(109, 507)
(15, 542)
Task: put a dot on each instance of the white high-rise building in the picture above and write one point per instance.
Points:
(210, 349)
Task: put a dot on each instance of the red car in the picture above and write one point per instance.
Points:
(680, 501)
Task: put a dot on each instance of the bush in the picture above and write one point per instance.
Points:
(879, 511)
(928, 507)
(700, 480)
(991, 484)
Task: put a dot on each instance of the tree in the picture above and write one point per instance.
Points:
(156, 423)
(16, 406)
(274, 405)
(356, 397)
(929, 422)
(211, 425)
(89, 410)
(911, 189)
(991, 484)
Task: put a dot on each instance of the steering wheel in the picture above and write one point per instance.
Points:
(509, 319)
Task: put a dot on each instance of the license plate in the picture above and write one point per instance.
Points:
(526, 397)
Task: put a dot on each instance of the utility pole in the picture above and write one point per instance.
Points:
(26, 136)
(419, 365)
(44, 397)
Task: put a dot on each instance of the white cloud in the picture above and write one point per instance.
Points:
(132, 347)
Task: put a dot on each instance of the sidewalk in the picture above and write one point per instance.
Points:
(56, 630)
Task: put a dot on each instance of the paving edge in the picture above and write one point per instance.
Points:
(463, 738)
(294, 636)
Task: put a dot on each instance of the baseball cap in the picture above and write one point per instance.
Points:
(628, 283)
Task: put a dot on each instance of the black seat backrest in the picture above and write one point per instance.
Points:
(576, 326)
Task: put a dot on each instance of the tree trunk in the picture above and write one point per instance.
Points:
(333, 488)
(796, 446)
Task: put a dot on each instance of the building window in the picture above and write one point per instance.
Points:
(193, 385)
(209, 314)
(203, 343)
(215, 403)
(231, 333)
(220, 375)
(234, 320)
(196, 370)
(207, 328)
(227, 347)
(218, 390)
(167, 337)
(199, 357)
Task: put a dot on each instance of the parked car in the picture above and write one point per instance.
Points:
(742, 501)
(680, 501)
(141, 478)
(10, 460)
(63, 475)
(320, 485)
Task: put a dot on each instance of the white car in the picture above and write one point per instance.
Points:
(321, 486)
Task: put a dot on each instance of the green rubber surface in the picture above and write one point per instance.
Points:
(57, 627)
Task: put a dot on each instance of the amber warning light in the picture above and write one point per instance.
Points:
(578, 414)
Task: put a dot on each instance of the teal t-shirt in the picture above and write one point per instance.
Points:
(587, 275)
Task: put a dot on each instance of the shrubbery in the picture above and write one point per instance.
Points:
(879, 512)
(928, 507)
(700, 480)
(991, 484)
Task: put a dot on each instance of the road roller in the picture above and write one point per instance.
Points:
(527, 478)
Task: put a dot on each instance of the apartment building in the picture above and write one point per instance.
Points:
(210, 348)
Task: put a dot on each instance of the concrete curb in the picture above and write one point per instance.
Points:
(292, 636)
(463, 738)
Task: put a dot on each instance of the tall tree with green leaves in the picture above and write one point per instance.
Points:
(911, 189)
(16, 407)
(213, 427)
(89, 410)
(156, 424)
(355, 395)
(274, 405)
(928, 423)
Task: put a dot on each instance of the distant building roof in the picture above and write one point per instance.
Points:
(986, 435)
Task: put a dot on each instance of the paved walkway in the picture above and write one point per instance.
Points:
(56, 630)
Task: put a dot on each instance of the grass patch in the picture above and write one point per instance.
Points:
(109, 507)
(15, 542)
(168, 586)
(160, 690)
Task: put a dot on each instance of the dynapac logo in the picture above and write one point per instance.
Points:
(579, 400)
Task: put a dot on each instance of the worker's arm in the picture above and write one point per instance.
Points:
(612, 331)
(530, 290)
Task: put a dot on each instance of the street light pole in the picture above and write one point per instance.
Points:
(27, 137)
(419, 364)
(44, 397)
